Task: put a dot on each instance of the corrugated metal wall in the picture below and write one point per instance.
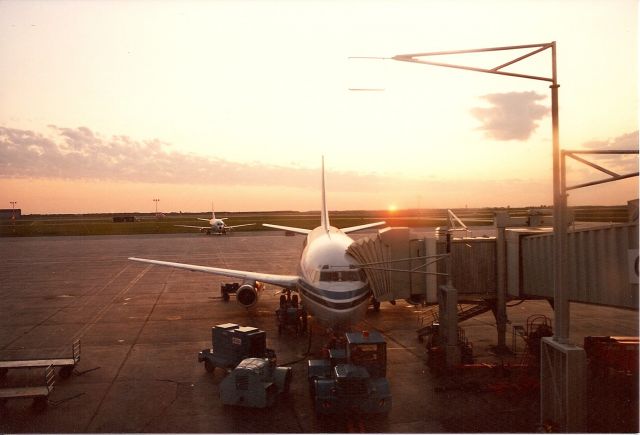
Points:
(473, 266)
(598, 265)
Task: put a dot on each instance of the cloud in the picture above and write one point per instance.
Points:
(81, 154)
(620, 163)
(512, 116)
(628, 141)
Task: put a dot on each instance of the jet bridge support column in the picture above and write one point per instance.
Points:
(501, 220)
(448, 308)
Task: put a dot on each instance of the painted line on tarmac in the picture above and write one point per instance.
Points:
(108, 305)
(128, 354)
(59, 310)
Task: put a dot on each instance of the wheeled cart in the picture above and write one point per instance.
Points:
(66, 364)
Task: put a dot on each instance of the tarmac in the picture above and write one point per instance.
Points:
(142, 326)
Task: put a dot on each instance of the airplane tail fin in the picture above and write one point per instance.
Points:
(213, 214)
(324, 218)
(324, 215)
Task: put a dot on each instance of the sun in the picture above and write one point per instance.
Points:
(392, 208)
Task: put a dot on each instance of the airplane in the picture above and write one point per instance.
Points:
(216, 226)
(332, 286)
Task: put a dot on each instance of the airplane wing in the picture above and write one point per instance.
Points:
(237, 226)
(292, 229)
(285, 281)
(203, 219)
(192, 226)
(361, 227)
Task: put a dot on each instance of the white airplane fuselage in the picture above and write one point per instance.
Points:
(332, 286)
(217, 226)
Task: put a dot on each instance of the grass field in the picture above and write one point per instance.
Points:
(102, 224)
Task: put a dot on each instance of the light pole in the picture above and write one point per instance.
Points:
(156, 200)
(13, 211)
(564, 366)
(561, 305)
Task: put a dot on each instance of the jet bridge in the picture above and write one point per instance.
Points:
(401, 266)
(388, 257)
(444, 271)
(603, 265)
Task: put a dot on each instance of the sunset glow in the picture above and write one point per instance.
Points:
(236, 102)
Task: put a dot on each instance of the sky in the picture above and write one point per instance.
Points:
(106, 105)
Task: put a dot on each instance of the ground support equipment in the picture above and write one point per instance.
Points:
(436, 357)
(617, 354)
(353, 377)
(225, 289)
(39, 393)
(291, 315)
(231, 343)
(67, 364)
(255, 383)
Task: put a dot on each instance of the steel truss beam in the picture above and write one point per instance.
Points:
(613, 176)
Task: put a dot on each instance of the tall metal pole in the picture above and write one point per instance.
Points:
(561, 302)
(561, 305)
(563, 366)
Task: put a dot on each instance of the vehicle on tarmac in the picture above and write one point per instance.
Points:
(352, 379)
(291, 315)
(231, 343)
(254, 380)
(255, 383)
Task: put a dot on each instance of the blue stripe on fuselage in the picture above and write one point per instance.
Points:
(335, 294)
(327, 297)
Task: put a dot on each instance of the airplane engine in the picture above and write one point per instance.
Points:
(248, 293)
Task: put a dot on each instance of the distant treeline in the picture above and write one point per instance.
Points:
(150, 223)
(615, 211)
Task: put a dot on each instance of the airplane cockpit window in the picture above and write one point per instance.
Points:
(328, 276)
(341, 275)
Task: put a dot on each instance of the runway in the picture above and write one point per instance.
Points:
(141, 328)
